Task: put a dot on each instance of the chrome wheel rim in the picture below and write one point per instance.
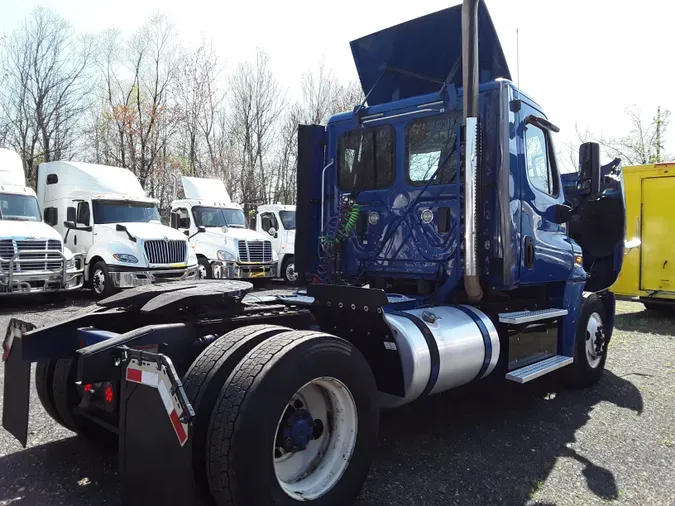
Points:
(315, 439)
(98, 281)
(291, 275)
(595, 340)
(202, 271)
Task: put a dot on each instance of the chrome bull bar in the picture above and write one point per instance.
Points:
(11, 275)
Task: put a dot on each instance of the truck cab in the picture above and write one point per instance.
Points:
(218, 234)
(278, 221)
(33, 258)
(106, 216)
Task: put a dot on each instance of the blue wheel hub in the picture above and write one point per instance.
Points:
(298, 431)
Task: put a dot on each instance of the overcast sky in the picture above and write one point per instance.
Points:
(583, 61)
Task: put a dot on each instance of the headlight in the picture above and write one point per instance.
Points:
(70, 264)
(225, 256)
(123, 257)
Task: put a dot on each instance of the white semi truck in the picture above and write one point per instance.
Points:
(112, 222)
(33, 258)
(278, 221)
(217, 229)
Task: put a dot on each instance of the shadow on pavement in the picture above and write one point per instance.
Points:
(473, 447)
(66, 472)
(652, 322)
(483, 446)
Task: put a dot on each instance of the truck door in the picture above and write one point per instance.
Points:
(546, 250)
(270, 225)
(81, 238)
(658, 230)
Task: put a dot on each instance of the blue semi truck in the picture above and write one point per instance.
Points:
(439, 246)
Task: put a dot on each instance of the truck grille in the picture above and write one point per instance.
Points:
(9, 247)
(255, 251)
(166, 252)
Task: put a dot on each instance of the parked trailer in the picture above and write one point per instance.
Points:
(648, 272)
(441, 249)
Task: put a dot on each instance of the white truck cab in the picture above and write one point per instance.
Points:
(32, 256)
(278, 222)
(106, 215)
(216, 226)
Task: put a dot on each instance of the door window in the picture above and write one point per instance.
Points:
(83, 213)
(181, 218)
(267, 221)
(540, 170)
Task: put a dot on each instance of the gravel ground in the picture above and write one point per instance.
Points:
(518, 445)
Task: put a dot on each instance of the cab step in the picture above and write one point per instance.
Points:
(533, 371)
(518, 317)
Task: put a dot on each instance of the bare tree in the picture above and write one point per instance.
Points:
(46, 88)
(643, 144)
(256, 104)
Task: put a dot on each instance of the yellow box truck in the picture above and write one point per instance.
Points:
(648, 271)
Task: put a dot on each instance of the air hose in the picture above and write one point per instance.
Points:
(338, 228)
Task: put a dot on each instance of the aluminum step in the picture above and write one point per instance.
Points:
(518, 317)
(533, 371)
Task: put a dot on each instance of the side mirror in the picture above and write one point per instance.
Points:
(200, 230)
(561, 213)
(272, 231)
(225, 229)
(186, 232)
(589, 168)
(123, 228)
(69, 224)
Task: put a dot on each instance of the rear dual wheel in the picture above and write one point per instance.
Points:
(297, 420)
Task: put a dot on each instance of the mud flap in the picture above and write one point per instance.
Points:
(16, 393)
(155, 444)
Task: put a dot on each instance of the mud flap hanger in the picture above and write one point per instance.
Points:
(156, 370)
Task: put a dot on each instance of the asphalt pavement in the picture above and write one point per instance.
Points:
(533, 444)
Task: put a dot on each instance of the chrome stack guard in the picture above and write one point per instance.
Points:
(10, 278)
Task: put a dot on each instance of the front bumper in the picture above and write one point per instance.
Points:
(128, 277)
(15, 281)
(235, 270)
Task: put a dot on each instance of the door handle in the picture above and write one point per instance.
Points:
(529, 252)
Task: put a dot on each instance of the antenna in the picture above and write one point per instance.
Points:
(518, 62)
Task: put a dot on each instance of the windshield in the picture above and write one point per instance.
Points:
(288, 219)
(117, 211)
(218, 217)
(19, 207)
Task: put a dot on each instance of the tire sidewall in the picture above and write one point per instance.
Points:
(587, 374)
(252, 443)
(287, 261)
(203, 262)
(108, 289)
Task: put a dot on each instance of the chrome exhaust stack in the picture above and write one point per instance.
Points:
(470, 94)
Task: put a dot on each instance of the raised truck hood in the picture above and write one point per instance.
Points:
(416, 57)
(10, 229)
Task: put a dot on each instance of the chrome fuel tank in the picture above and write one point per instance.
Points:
(440, 348)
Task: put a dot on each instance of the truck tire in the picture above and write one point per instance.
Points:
(590, 347)
(66, 399)
(206, 376)
(273, 394)
(288, 272)
(44, 384)
(205, 269)
(101, 284)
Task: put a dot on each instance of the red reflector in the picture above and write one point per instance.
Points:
(88, 388)
(109, 394)
(134, 375)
